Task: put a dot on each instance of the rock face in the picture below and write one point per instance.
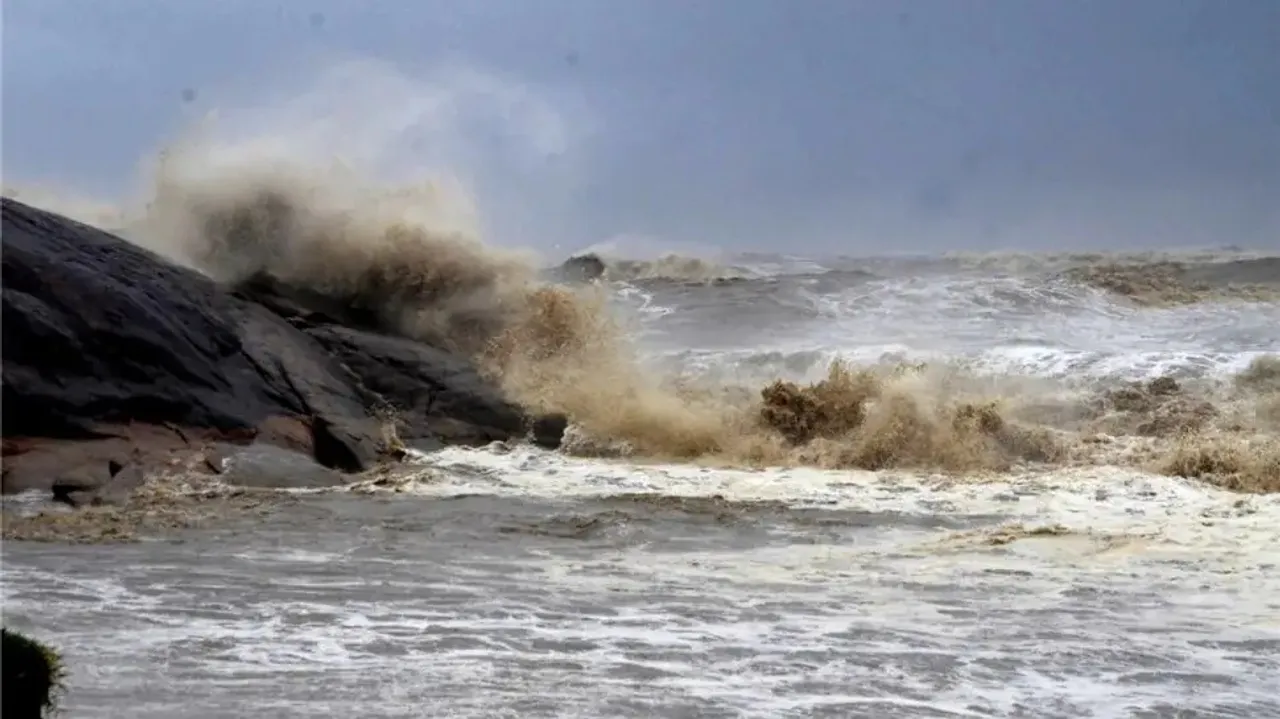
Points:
(436, 396)
(110, 353)
(98, 331)
(439, 395)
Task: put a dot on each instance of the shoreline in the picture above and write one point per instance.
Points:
(190, 497)
(129, 381)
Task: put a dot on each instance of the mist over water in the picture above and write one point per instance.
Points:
(936, 343)
(362, 189)
(867, 486)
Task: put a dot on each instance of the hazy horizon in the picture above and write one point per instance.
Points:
(819, 128)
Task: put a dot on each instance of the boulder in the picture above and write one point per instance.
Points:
(97, 483)
(266, 467)
(75, 485)
(86, 471)
(578, 269)
(111, 354)
(348, 445)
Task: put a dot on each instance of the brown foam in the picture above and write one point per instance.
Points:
(412, 255)
(856, 419)
(1244, 464)
(1165, 283)
(1159, 408)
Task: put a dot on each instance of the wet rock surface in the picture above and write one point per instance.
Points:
(117, 362)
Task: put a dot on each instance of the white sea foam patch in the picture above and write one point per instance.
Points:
(1098, 552)
(994, 325)
(1071, 367)
(1157, 593)
(1095, 501)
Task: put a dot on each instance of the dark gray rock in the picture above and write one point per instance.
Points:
(97, 483)
(99, 331)
(103, 339)
(548, 431)
(77, 485)
(32, 675)
(578, 269)
(346, 445)
(266, 467)
(435, 394)
(122, 484)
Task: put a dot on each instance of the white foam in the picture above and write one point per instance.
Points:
(1153, 580)
(996, 326)
(1149, 592)
(1097, 500)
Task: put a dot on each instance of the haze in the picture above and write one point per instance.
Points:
(823, 126)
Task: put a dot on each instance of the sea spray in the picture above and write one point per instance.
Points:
(308, 202)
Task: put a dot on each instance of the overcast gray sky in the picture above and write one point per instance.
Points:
(800, 125)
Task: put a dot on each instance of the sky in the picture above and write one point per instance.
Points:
(800, 126)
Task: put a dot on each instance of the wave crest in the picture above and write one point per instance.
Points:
(667, 268)
(1168, 283)
(409, 255)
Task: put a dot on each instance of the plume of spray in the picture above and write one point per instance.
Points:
(319, 194)
(359, 190)
(329, 193)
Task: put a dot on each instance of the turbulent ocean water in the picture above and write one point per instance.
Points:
(511, 582)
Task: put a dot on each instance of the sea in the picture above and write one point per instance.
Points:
(509, 581)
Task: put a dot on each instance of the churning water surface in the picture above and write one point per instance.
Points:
(520, 583)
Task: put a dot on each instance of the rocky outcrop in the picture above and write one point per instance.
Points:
(114, 358)
(579, 268)
(435, 396)
(100, 332)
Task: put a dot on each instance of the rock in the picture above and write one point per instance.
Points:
(122, 484)
(438, 397)
(76, 485)
(98, 331)
(436, 394)
(218, 459)
(97, 484)
(73, 465)
(343, 445)
(548, 431)
(268, 467)
(426, 445)
(105, 339)
(579, 269)
(111, 352)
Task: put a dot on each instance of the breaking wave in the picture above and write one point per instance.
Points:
(1167, 283)
(411, 254)
(671, 268)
